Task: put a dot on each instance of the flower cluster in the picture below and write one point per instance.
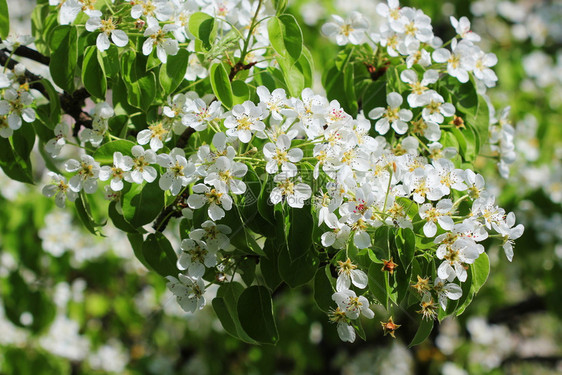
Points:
(16, 100)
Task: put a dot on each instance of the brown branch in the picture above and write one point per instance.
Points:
(31, 54)
(509, 314)
(239, 67)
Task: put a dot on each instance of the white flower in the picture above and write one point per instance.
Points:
(121, 164)
(347, 274)
(392, 115)
(188, 291)
(195, 69)
(415, 25)
(462, 27)
(54, 145)
(162, 10)
(179, 172)
(157, 37)
(199, 115)
(446, 291)
(59, 189)
(455, 256)
(280, 155)
(459, 62)
(225, 176)
(15, 105)
(101, 114)
(70, 9)
(295, 194)
(351, 30)
(352, 305)
(482, 69)
(435, 109)
(438, 214)
(108, 28)
(245, 119)
(141, 169)
(337, 237)
(218, 201)
(87, 172)
(276, 102)
(214, 235)
(155, 134)
(509, 232)
(419, 88)
(195, 257)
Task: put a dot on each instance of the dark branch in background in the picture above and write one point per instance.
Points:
(510, 314)
(31, 54)
(547, 360)
(70, 104)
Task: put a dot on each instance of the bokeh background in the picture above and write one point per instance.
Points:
(72, 303)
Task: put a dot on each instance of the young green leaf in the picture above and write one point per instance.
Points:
(255, 311)
(222, 87)
(4, 19)
(285, 36)
(424, 329)
(64, 57)
(172, 73)
(93, 73)
(159, 254)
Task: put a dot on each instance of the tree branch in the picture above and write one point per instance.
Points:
(514, 312)
(31, 54)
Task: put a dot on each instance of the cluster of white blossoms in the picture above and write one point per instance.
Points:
(364, 182)
(165, 25)
(15, 100)
(407, 32)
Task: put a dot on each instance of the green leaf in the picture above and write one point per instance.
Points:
(378, 283)
(172, 73)
(247, 269)
(93, 73)
(23, 140)
(54, 104)
(142, 204)
(221, 85)
(255, 311)
(269, 264)
(323, 289)
(285, 36)
(425, 328)
(4, 19)
(64, 56)
(203, 27)
(240, 92)
(159, 254)
(104, 154)
(280, 6)
(118, 219)
(225, 305)
(13, 164)
(137, 240)
(83, 210)
(480, 270)
(140, 84)
(406, 245)
(299, 237)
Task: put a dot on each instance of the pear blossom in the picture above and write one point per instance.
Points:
(60, 189)
(348, 273)
(214, 235)
(101, 114)
(482, 71)
(54, 145)
(280, 155)
(218, 201)
(392, 115)
(156, 135)
(459, 62)
(189, 291)
(195, 257)
(87, 173)
(142, 169)
(352, 304)
(15, 106)
(70, 9)
(121, 164)
(179, 172)
(225, 175)
(108, 29)
(157, 38)
(245, 119)
(353, 30)
(287, 188)
(438, 214)
(337, 237)
(159, 9)
(455, 256)
(435, 109)
(199, 114)
(509, 233)
(462, 27)
(446, 291)
(419, 88)
(345, 331)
